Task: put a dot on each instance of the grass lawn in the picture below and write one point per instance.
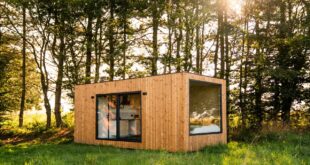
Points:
(277, 148)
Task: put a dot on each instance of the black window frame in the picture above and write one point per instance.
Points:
(118, 118)
(221, 108)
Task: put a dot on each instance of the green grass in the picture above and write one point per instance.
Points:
(34, 120)
(276, 148)
(34, 130)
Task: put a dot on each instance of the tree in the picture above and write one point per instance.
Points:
(11, 62)
(22, 100)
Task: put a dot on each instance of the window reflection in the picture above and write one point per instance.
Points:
(107, 116)
(119, 116)
(130, 118)
(204, 107)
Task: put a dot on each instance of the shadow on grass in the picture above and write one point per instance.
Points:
(56, 136)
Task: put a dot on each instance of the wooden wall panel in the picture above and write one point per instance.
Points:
(164, 112)
(197, 142)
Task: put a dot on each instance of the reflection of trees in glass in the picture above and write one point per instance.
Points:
(204, 107)
(130, 115)
(107, 116)
(128, 122)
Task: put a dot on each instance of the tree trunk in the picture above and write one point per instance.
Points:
(221, 36)
(170, 33)
(241, 104)
(283, 57)
(89, 40)
(155, 24)
(98, 47)
(197, 38)
(246, 70)
(47, 105)
(22, 101)
(124, 50)
(124, 39)
(227, 62)
(45, 89)
(61, 59)
(187, 45)
(202, 41)
(216, 53)
(258, 79)
(178, 40)
(111, 40)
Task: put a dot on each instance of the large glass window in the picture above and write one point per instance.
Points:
(119, 116)
(204, 107)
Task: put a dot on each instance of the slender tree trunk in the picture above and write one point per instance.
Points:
(178, 56)
(170, 33)
(202, 40)
(221, 37)
(227, 62)
(111, 40)
(61, 59)
(89, 40)
(45, 89)
(169, 49)
(97, 45)
(44, 80)
(47, 105)
(124, 46)
(179, 39)
(258, 79)
(22, 101)
(240, 88)
(246, 70)
(123, 20)
(216, 54)
(187, 45)
(155, 24)
(197, 38)
(241, 104)
(282, 59)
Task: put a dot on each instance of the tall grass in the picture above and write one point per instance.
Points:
(34, 129)
(34, 121)
(278, 148)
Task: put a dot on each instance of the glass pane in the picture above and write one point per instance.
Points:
(130, 116)
(112, 105)
(204, 109)
(106, 116)
(102, 119)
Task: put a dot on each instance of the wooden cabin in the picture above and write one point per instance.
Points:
(173, 112)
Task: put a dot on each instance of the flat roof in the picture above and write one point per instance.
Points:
(152, 76)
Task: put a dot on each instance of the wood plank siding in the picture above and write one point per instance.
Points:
(165, 112)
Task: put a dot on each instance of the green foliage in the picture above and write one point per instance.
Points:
(10, 78)
(68, 120)
(34, 122)
(282, 148)
(266, 63)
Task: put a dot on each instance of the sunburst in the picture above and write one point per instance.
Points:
(235, 5)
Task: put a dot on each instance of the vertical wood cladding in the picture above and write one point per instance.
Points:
(165, 112)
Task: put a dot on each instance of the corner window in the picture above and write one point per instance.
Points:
(204, 108)
(119, 116)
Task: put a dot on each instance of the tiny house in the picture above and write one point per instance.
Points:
(173, 112)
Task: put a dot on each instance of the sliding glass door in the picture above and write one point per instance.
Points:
(130, 116)
(119, 116)
(106, 116)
